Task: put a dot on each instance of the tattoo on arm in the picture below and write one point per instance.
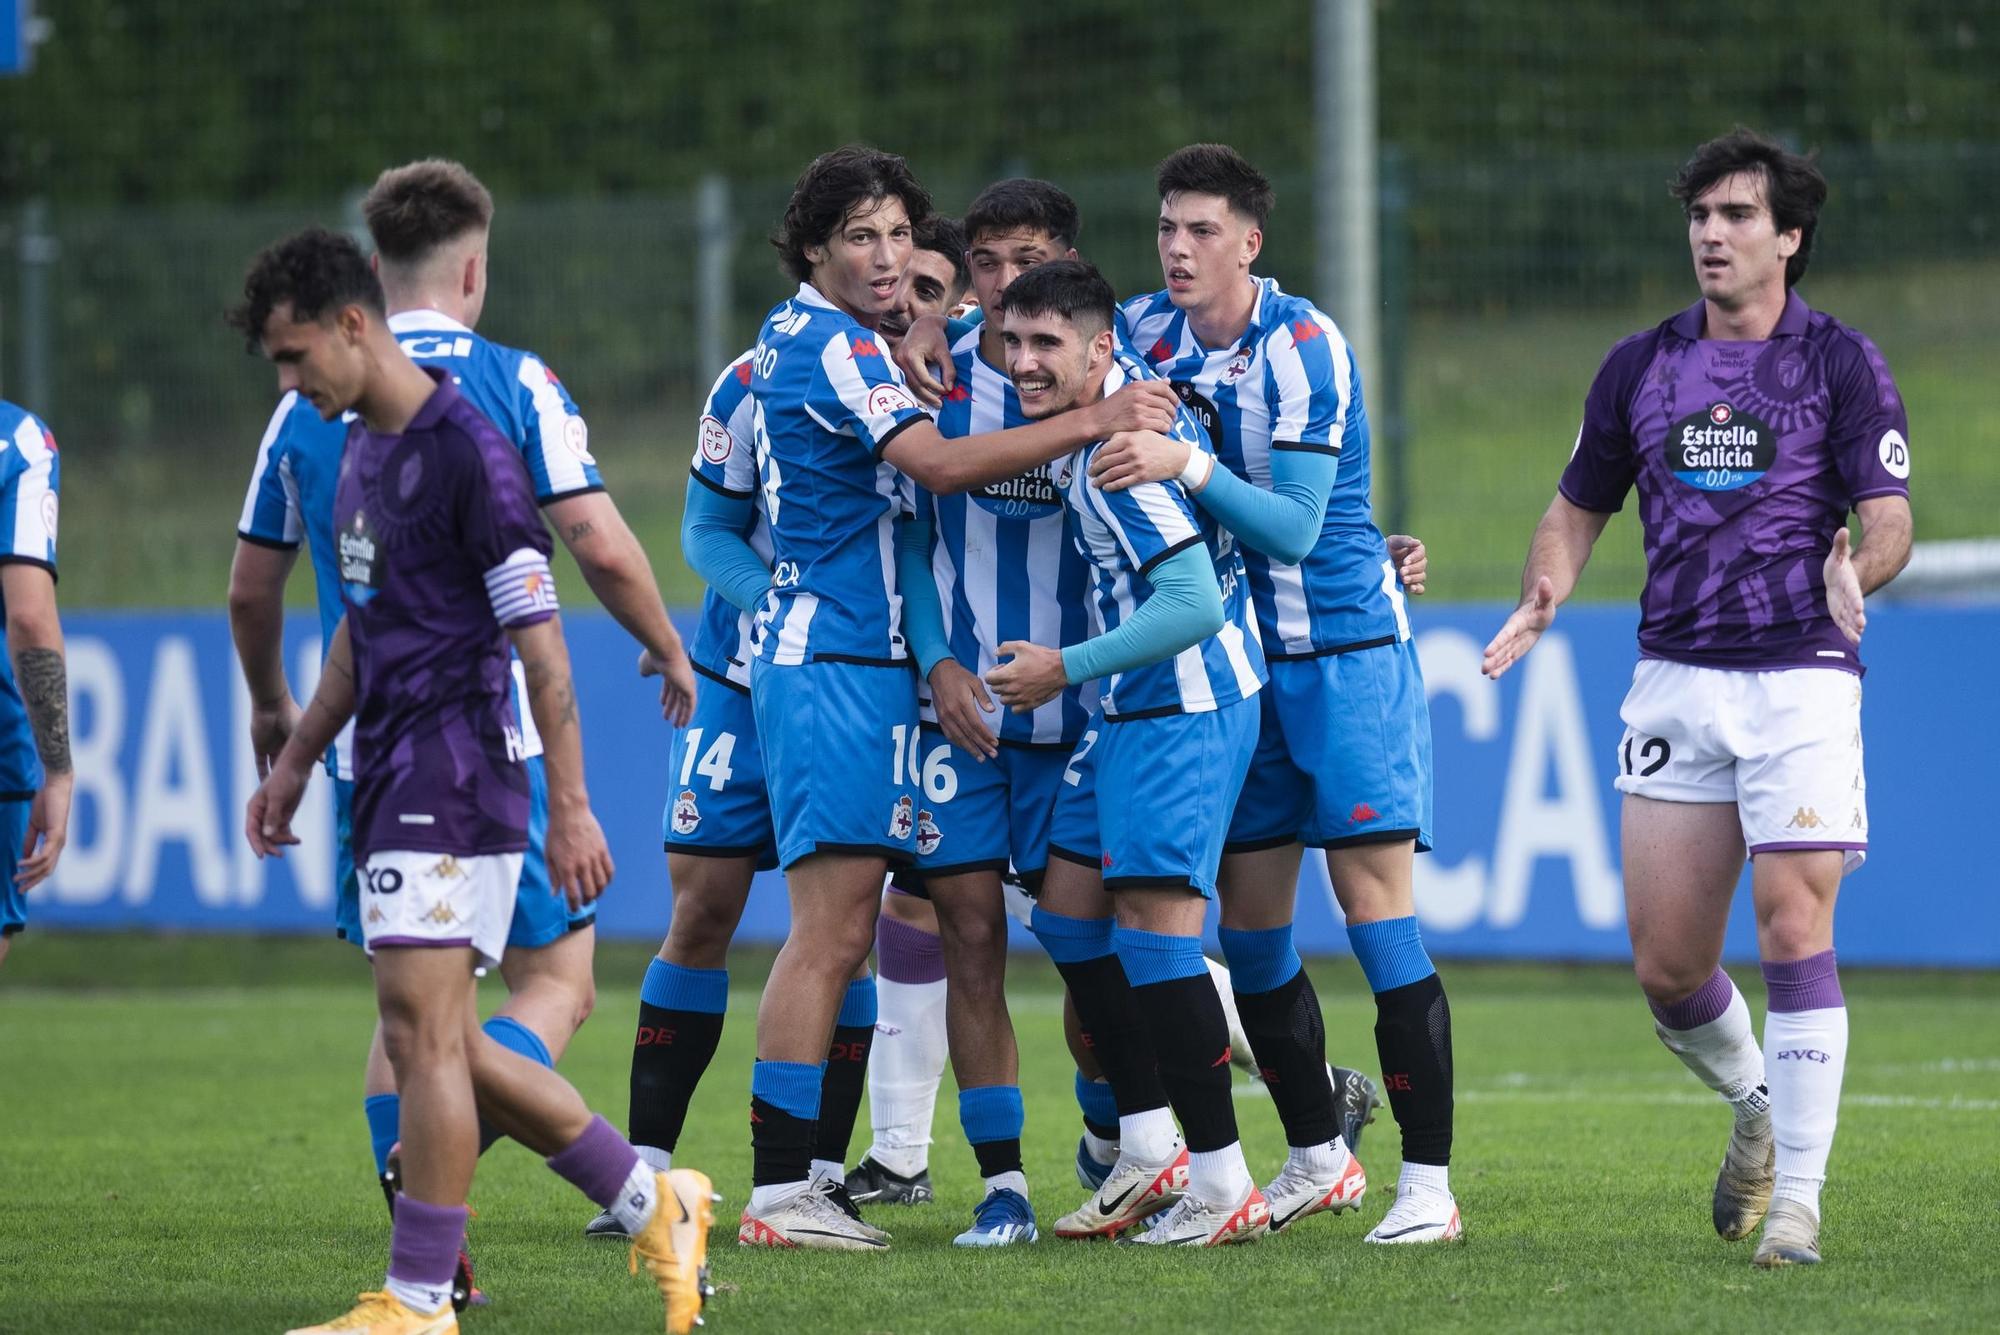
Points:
(45, 691)
(578, 532)
(545, 681)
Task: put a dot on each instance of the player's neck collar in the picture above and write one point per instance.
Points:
(421, 319)
(812, 296)
(1793, 322)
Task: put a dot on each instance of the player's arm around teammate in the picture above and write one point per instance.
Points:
(36, 826)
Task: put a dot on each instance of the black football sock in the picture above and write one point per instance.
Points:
(680, 1024)
(846, 1071)
(1413, 1039)
(1288, 1035)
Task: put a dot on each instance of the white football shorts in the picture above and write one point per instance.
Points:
(1784, 746)
(440, 899)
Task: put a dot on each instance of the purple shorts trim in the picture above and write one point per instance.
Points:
(1809, 847)
(381, 941)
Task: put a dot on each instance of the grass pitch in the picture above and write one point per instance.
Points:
(184, 1151)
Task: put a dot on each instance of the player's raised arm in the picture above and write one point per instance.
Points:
(1556, 557)
(924, 358)
(578, 859)
(975, 461)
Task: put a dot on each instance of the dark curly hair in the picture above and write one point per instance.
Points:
(317, 271)
(1023, 204)
(414, 209)
(829, 191)
(1793, 184)
(1217, 169)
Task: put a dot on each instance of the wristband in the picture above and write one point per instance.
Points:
(1200, 465)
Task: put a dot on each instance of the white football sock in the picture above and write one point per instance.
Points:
(1010, 1181)
(1724, 1054)
(1430, 1177)
(428, 1299)
(1103, 1151)
(637, 1199)
(1150, 1136)
(1321, 1160)
(1219, 1177)
(660, 1160)
(905, 1066)
(765, 1199)
(1805, 1054)
(827, 1170)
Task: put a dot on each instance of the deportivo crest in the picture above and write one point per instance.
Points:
(687, 816)
(1720, 449)
(901, 817)
(929, 836)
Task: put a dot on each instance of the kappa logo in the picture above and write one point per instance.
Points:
(375, 914)
(1362, 812)
(929, 836)
(441, 913)
(716, 442)
(1305, 331)
(1160, 352)
(447, 868)
(744, 370)
(863, 347)
(1107, 862)
(958, 393)
(901, 818)
(687, 816)
(1805, 818)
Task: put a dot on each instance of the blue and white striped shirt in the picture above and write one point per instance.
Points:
(30, 483)
(1289, 383)
(1127, 533)
(725, 461)
(827, 401)
(1006, 564)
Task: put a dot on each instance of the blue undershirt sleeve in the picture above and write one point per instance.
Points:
(1284, 522)
(712, 539)
(1185, 608)
(923, 612)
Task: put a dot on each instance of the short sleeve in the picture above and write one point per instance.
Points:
(1150, 521)
(725, 452)
(499, 524)
(271, 515)
(1311, 375)
(857, 391)
(28, 497)
(1604, 462)
(1868, 431)
(557, 443)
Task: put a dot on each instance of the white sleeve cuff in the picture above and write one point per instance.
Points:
(522, 588)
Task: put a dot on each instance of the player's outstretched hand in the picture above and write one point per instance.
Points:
(268, 823)
(271, 726)
(1523, 628)
(1413, 563)
(1028, 676)
(1843, 591)
(924, 357)
(959, 697)
(578, 859)
(48, 831)
(1132, 457)
(676, 676)
(1142, 405)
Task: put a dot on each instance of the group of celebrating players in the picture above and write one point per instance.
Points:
(1072, 608)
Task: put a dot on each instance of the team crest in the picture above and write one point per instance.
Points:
(901, 818)
(1237, 369)
(687, 816)
(929, 836)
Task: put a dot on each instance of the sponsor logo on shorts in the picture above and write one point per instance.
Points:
(440, 913)
(1805, 818)
(447, 868)
(929, 836)
(716, 442)
(902, 817)
(1720, 449)
(1362, 813)
(375, 914)
(687, 816)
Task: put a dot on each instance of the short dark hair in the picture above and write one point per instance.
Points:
(828, 191)
(1073, 289)
(317, 271)
(946, 236)
(1023, 204)
(414, 209)
(1217, 169)
(1794, 187)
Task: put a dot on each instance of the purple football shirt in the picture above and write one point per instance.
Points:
(1748, 456)
(420, 519)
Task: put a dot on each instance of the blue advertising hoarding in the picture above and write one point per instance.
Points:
(1527, 821)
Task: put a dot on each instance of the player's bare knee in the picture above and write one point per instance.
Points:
(1667, 979)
